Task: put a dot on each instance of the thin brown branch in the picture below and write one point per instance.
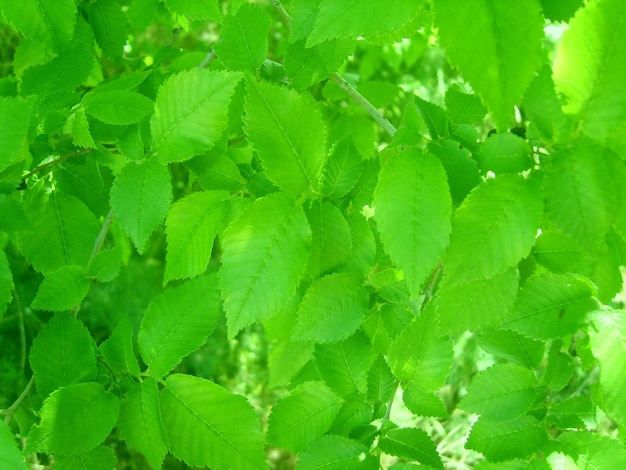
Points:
(45, 166)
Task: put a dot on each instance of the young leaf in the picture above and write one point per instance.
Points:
(303, 416)
(419, 357)
(140, 198)
(332, 239)
(118, 106)
(98, 458)
(191, 226)
(589, 67)
(551, 306)
(62, 354)
(106, 264)
(85, 408)
(503, 440)
(332, 308)
(265, 251)
(608, 344)
(577, 200)
(332, 453)
(191, 113)
(210, 426)
(62, 289)
(496, 46)
(354, 18)
(342, 169)
(177, 322)
(476, 304)
(109, 26)
(413, 207)
(243, 41)
(63, 232)
(493, 229)
(344, 365)
(205, 10)
(10, 455)
(50, 22)
(118, 351)
(502, 392)
(140, 423)
(287, 130)
(413, 444)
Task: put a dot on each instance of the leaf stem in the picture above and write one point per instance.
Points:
(281, 12)
(11, 410)
(207, 59)
(37, 169)
(359, 99)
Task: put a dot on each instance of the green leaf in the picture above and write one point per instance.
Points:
(210, 426)
(10, 455)
(512, 346)
(63, 232)
(265, 252)
(6, 283)
(460, 166)
(505, 153)
(572, 412)
(493, 229)
(577, 200)
(140, 423)
(380, 381)
(419, 357)
(140, 198)
(243, 41)
(191, 113)
(591, 450)
(62, 289)
(332, 238)
(589, 68)
(99, 458)
(109, 26)
(342, 170)
(307, 66)
(287, 130)
(77, 126)
(354, 413)
(118, 106)
(177, 322)
(476, 304)
(203, 10)
(608, 343)
(50, 22)
(463, 108)
(497, 47)
(551, 306)
(106, 264)
(424, 403)
(13, 129)
(332, 308)
(503, 440)
(413, 444)
(413, 207)
(191, 226)
(84, 409)
(354, 18)
(560, 10)
(344, 365)
(303, 416)
(502, 392)
(542, 106)
(62, 354)
(118, 351)
(434, 117)
(332, 453)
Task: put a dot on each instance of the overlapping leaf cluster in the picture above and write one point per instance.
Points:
(269, 197)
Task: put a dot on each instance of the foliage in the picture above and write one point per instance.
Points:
(322, 234)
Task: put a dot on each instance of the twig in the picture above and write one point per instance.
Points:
(11, 410)
(207, 59)
(359, 99)
(37, 169)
